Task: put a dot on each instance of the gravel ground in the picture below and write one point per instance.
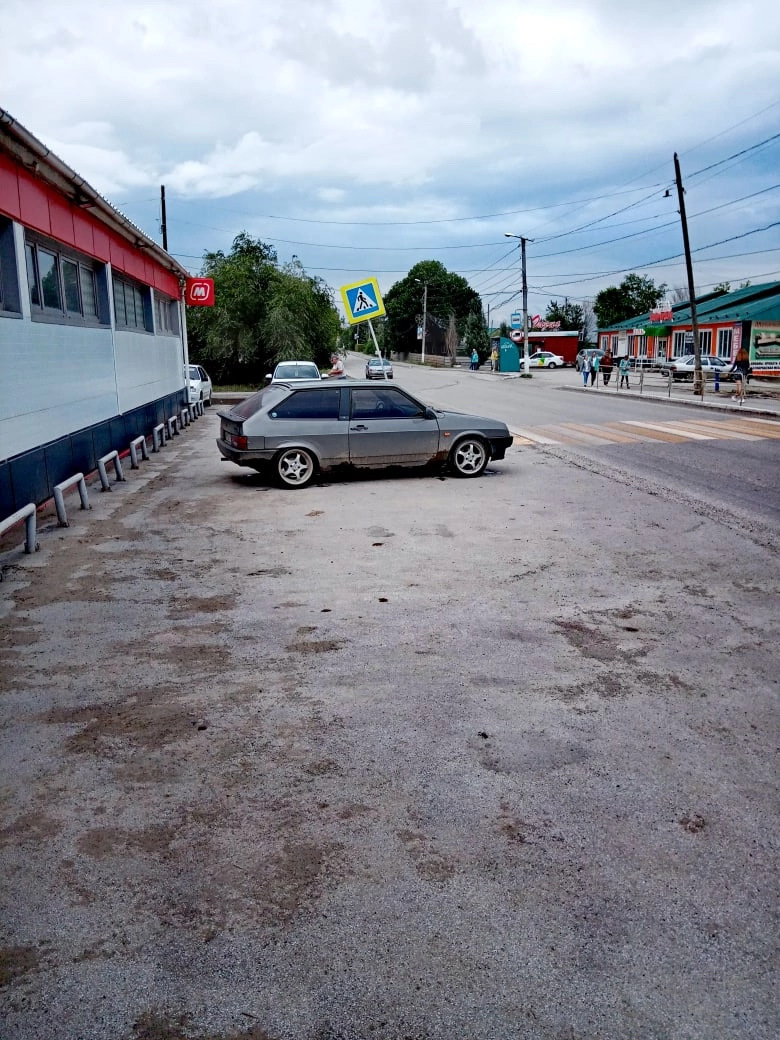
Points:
(397, 758)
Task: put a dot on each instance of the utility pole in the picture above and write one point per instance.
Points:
(526, 362)
(163, 222)
(424, 284)
(698, 382)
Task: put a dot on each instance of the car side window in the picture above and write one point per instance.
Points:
(309, 404)
(382, 403)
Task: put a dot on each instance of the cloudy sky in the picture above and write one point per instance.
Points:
(362, 137)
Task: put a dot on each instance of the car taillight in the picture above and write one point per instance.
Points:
(240, 443)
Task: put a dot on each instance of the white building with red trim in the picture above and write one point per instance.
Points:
(93, 347)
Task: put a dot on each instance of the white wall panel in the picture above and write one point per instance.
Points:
(55, 379)
(147, 367)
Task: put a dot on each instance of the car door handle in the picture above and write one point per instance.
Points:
(355, 428)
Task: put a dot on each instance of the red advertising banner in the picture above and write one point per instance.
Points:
(199, 292)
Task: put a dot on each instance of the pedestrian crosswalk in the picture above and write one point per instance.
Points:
(632, 431)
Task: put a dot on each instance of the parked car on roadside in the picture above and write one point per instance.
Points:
(286, 371)
(295, 430)
(200, 388)
(589, 352)
(545, 359)
(683, 368)
(378, 369)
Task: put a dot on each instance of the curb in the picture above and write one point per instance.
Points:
(714, 406)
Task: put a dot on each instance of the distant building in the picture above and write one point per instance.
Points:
(749, 317)
(92, 330)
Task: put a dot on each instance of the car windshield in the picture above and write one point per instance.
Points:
(194, 373)
(294, 370)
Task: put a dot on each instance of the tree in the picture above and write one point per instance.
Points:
(570, 315)
(262, 314)
(448, 294)
(635, 295)
(722, 287)
(476, 334)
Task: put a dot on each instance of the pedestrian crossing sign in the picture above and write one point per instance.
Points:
(362, 300)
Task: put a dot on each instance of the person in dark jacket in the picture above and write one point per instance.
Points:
(606, 367)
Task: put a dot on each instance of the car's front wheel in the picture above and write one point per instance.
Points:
(469, 457)
(295, 467)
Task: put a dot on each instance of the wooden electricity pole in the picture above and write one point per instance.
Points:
(698, 383)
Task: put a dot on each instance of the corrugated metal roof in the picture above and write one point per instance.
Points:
(752, 303)
(20, 142)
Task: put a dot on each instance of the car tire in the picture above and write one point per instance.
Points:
(295, 467)
(469, 457)
(552, 365)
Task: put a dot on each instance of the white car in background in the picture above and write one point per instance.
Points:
(200, 384)
(293, 372)
(545, 359)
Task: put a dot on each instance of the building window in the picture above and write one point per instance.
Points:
(614, 344)
(660, 347)
(678, 344)
(166, 315)
(10, 303)
(724, 343)
(641, 346)
(132, 305)
(63, 286)
(705, 341)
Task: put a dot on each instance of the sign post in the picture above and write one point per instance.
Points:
(362, 302)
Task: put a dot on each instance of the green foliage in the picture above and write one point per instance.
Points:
(570, 315)
(262, 314)
(447, 294)
(634, 296)
(476, 335)
(722, 287)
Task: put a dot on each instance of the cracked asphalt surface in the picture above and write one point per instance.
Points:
(393, 757)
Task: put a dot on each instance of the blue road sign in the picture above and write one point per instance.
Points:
(362, 300)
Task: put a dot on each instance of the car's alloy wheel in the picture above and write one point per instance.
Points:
(295, 467)
(469, 457)
(552, 365)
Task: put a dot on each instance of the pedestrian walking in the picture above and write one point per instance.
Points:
(494, 359)
(624, 368)
(741, 371)
(585, 370)
(474, 360)
(594, 368)
(606, 368)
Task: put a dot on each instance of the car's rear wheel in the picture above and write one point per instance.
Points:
(469, 457)
(552, 365)
(295, 467)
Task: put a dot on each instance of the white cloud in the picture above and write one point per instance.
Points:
(411, 110)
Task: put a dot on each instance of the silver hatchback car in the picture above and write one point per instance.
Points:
(298, 429)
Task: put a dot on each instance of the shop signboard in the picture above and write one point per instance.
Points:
(765, 347)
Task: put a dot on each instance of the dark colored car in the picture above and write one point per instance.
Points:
(297, 429)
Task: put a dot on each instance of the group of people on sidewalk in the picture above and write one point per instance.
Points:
(592, 364)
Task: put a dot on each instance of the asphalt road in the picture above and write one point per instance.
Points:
(398, 757)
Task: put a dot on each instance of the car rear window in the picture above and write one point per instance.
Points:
(265, 397)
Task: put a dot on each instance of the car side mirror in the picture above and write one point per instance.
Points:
(429, 413)
(268, 377)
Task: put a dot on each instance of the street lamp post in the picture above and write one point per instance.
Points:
(523, 240)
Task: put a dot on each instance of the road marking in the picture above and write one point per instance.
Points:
(532, 438)
(628, 431)
(613, 437)
(653, 430)
(724, 431)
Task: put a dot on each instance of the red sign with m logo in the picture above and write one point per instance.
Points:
(200, 292)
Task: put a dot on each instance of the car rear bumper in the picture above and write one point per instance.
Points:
(252, 459)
